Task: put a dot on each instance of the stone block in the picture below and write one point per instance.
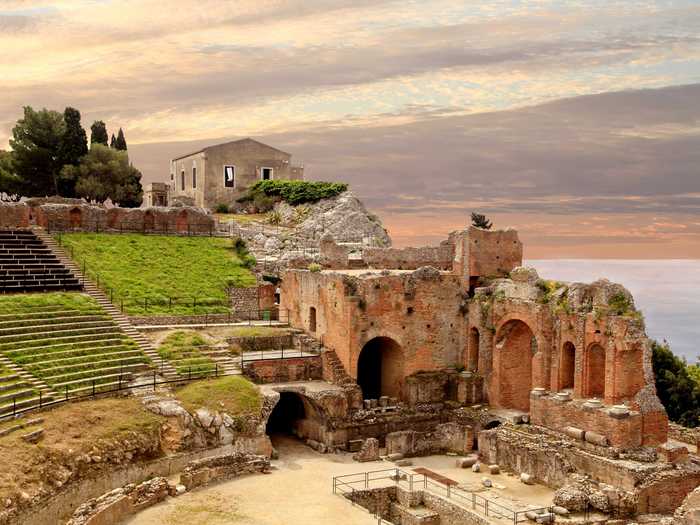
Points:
(476, 467)
(538, 392)
(546, 517)
(619, 412)
(354, 445)
(486, 482)
(593, 404)
(373, 403)
(673, 453)
(403, 462)
(563, 396)
(369, 451)
(180, 490)
(367, 403)
(575, 433)
(596, 439)
(560, 511)
(395, 456)
(384, 401)
(527, 479)
(467, 462)
(494, 469)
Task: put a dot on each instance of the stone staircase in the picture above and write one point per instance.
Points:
(333, 369)
(19, 389)
(165, 369)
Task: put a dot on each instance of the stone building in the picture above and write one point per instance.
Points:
(220, 174)
(155, 194)
(557, 352)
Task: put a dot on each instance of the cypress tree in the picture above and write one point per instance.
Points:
(113, 142)
(98, 133)
(74, 141)
(121, 141)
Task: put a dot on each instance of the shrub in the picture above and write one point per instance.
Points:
(241, 249)
(294, 192)
(314, 267)
(273, 217)
(620, 304)
(221, 208)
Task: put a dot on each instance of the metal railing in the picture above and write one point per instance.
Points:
(155, 227)
(348, 485)
(282, 353)
(96, 390)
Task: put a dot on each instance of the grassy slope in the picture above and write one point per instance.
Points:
(234, 395)
(74, 426)
(10, 304)
(181, 349)
(138, 266)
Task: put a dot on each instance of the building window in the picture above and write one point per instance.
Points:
(266, 173)
(229, 176)
(194, 176)
(182, 179)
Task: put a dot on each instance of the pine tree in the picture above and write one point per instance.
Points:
(72, 148)
(480, 221)
(121, 141)
(98, 133)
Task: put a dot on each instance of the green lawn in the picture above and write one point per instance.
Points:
(156, 268)
(234, 395)
(182, 350)
(10, 304)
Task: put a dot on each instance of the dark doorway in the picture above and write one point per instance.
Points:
(312, 319)
(380, 368)
(568, 365)
(288, 410)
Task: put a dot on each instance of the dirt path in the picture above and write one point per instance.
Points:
(299, 491)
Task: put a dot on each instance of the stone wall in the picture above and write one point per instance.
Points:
(486, 253)
(86, 217)
(440, 257)
(14, 215)
(244, 300)
(284, 370)
(445, 437)
(220, 468)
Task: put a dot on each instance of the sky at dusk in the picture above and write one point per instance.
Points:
(576, 122)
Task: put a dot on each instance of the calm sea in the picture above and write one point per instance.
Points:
(667, 292)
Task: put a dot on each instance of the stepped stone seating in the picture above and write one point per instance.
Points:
(72, 350)
(28, 265)
(15, 391)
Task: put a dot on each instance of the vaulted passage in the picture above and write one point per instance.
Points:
(567, 365)
(287, 412)
(380, 368)
(595, 371)
(515, 345)
(473, 361)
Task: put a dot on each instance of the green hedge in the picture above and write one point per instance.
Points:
(295, 191)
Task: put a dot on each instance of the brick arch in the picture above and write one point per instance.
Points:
(380, 368)
(567, 365)
(594, 371)
(295, 413)
(513, 355)
(75, 216)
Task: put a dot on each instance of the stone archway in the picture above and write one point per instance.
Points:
(380, 368)
(286, 414)
(594, 384)
(473, 360)
(515, 347)
(567, 366)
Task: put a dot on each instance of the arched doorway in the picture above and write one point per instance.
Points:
(76, 218)
(515, 345)
(473, 361)
(312, 319)
(595, 371)
(288, 411)
(380, 368)
(567, 365)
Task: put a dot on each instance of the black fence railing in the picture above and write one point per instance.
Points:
(156, 227)
(349, 484)
(124, 383)
(283, 353)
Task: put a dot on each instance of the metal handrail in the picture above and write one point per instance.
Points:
(490, 507)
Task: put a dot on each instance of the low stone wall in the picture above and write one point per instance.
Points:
(436, 387)
(220, 468)
(115, 506)
(690, 436)
(451, 513)
(284, 370)
(161, 320)
(244, 300)
(262, 342)
(14, 215)
(440, 257)
(626, 432)
(446, 437)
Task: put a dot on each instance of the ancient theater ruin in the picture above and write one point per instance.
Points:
(459, 347)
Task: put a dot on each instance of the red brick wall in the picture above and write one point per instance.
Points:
(281, 370)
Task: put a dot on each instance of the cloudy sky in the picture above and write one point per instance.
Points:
(575, 121)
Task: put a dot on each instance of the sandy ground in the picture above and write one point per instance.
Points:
(299, 491)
